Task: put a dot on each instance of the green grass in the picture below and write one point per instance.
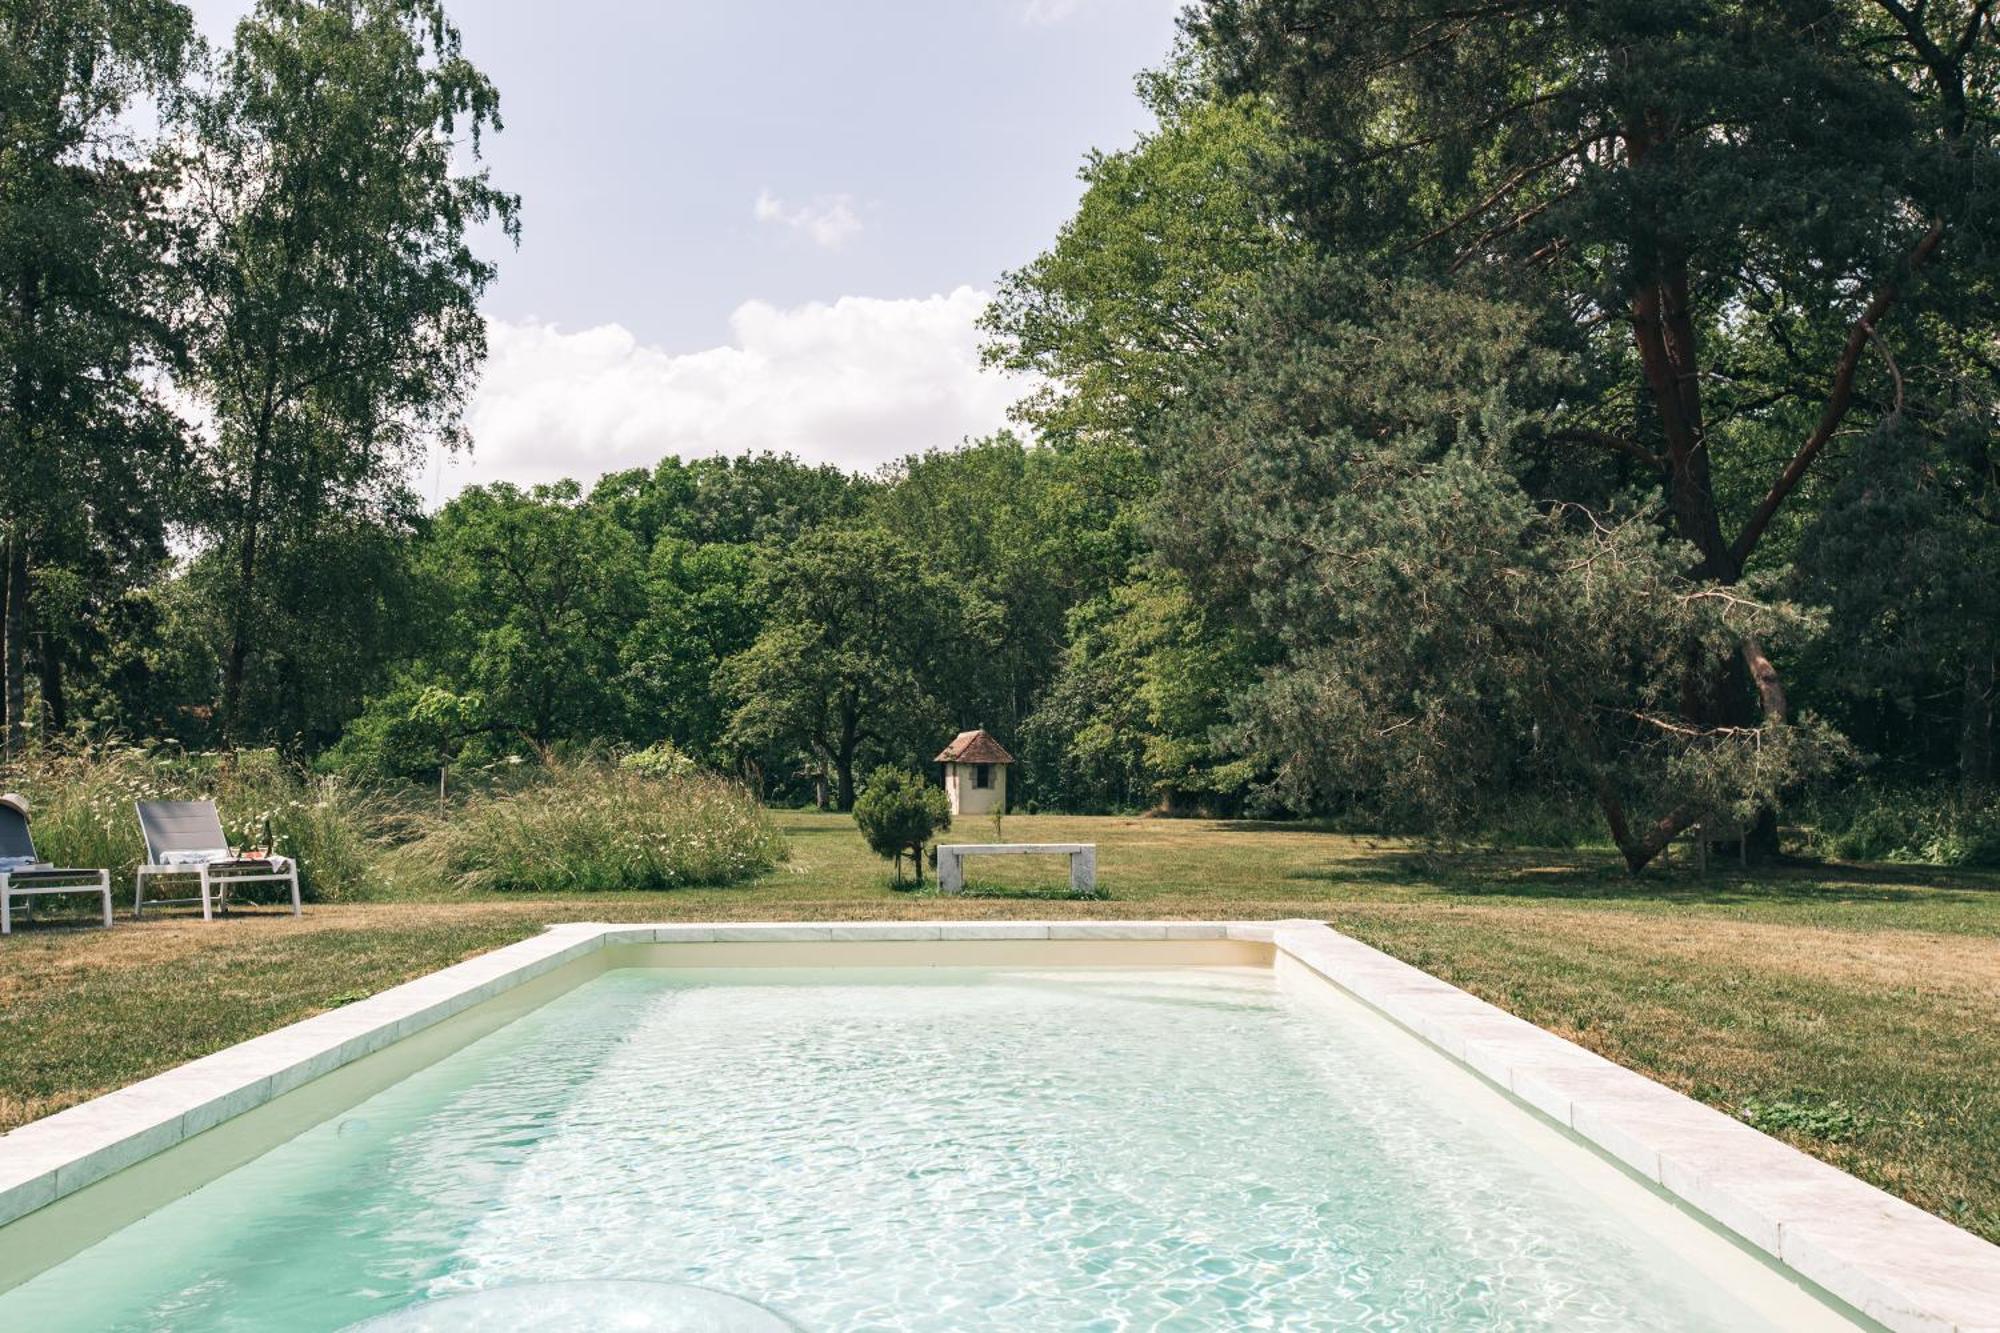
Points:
(1851, 1010)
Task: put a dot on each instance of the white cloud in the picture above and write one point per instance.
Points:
(857, 383)
(1048, 13)
(829, 219)
(1042, 13)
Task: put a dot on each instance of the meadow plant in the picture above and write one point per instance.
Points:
(83, 798)
(661, 760)
(1870, 821)
(587, 826)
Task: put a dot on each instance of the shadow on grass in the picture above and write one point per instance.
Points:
(1588, 876)
(1324, 828)
(1047, 893)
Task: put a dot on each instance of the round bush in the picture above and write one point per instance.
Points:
(898, 812)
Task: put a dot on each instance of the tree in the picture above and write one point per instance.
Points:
(702, 524)
(333, 303)
(344, 604)
(699, 611)
(1027, 533)
(412, 732)
(539, 593)
(1467, 642)
(1170, 235)
(1632, 182)
(1633, 173)
(1905, 554)
(756, 499)
(1444, 608)
(81, 439)
(1145, 682)
(898, 813)
(859, 642)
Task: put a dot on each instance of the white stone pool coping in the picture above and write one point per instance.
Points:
(1888, 1259)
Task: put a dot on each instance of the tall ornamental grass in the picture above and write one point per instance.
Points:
(593, 827)
(83, 811)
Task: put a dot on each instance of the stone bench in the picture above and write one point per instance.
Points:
(1082, 860)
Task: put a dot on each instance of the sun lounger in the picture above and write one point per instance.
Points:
(185, 838)
(25, 875)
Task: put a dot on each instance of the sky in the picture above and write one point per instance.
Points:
(771, 224)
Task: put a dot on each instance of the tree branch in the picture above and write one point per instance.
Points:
(1838, 401)
(1973, 24)
(1770, 690)
(1591, 435)
(1895, 375)
(1511, 184)
(1381, 151)
(1508, 228)
(1913, 28)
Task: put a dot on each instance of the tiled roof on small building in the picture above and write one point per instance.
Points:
(974, 747)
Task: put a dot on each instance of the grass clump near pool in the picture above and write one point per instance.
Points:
(570, 825)
(83, 811)
(598, 828)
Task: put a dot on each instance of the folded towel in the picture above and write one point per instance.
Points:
(203, 857)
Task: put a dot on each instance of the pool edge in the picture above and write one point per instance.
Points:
(1891, 1261)
(1905, 1268)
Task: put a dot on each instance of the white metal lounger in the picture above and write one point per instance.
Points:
(186, 838)
(24, 875)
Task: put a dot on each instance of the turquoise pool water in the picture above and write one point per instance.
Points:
(938, 1149)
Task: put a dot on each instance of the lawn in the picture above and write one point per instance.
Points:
(1852, 1010)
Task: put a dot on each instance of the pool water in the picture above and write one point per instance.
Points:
(919, 1149)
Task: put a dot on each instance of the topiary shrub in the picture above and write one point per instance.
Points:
(898, 812)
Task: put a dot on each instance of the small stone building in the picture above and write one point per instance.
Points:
(975, 774)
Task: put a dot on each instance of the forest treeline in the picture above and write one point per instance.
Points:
(1438, 406)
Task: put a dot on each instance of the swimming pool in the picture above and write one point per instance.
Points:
(1086, 1144)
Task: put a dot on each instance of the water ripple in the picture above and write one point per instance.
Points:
(940, 1150)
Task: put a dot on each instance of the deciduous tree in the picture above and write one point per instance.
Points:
(333, 293)
(540, 592)
(82, 441)
(859, 641)
(1170, 235)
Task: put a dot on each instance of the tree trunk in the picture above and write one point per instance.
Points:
(16, 651)
(843, 757)
(1638, 848)
(1674, 372)
(14, 569)
(1975, 736)
(6, 713)
(246, 582)
(1715, 693)
(239, 640)
(55, 712)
